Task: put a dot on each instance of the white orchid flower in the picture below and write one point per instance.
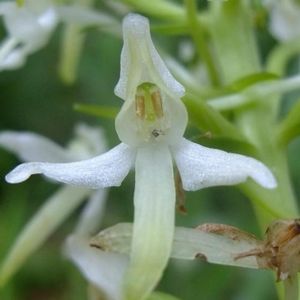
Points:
(30, 25)
(150, 125)
(27, 146)
(284, 19)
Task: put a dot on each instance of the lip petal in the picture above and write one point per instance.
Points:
(154, 205)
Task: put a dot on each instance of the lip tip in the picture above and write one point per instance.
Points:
(15, 176)
(10, 178)
(270, 183)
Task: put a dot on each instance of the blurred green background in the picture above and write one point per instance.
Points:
(34, 99)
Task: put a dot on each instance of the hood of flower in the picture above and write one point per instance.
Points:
(153, 111)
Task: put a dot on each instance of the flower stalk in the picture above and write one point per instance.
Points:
(258, 121)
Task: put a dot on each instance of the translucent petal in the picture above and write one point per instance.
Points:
(154, 205)
(92, 214)
(108, 169)
(88, 142)
(29, 27)
(216, 243)
(33, 147)
(202, 167)
(6, 7)
(285, 20)
(14, 59)
(140, 61)
(55, 210)
(105, 270)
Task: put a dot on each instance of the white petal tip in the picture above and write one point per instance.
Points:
(270, 183)
(263, 176)
(20, 173)
(135, 23)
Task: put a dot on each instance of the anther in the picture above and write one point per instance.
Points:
(157, 103)
(140, 106)
(148, 102)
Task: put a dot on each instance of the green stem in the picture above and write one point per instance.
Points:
(72, 44)
(164, 10)
(158, 8)
(281, 54)
(258, 121)
(289, 128)
(197, 33)
(206, 118)
(258, 91)
(291, 288)
(233, 39)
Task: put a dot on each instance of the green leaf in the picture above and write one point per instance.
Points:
(281, 54)
(158, 8)
(206, 118)
(173, 28)
(198, 33)
(233, 39)
(20, 2)
(290, 126)
(227, 144)
(256, 93)
(245, 82)
(102, 111)
(161, 296)
(31, 238)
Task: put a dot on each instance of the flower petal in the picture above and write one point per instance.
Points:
(105, 270)
(6, 7)
(92, 213)
(108, 169)
(216, 243)
(30, 27)
(140, 61)
(10, 57)
(154, 206)
(202, 167)
(33, 147)
(42, 225)
(140, 65)
(285, 20)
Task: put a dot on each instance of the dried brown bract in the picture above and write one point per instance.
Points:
(280, 250)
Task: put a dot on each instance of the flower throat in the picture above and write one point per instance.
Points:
(149, 111)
